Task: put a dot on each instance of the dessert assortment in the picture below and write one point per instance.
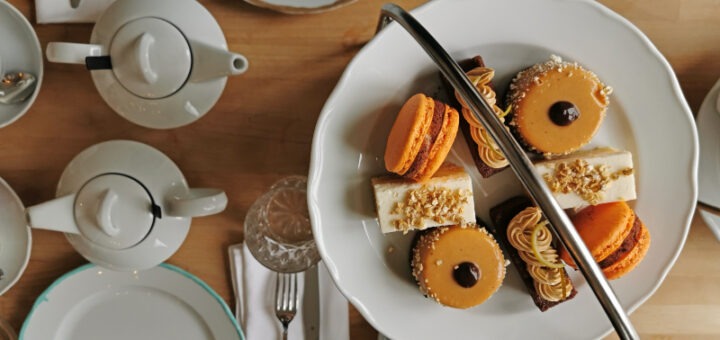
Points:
(553, 108)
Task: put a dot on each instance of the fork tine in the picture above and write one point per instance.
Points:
(294, 295)
(286, 279)
(286, 299)
(278, 292)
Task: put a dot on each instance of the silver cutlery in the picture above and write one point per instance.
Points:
(15, 87)
(236, 275)
(286, 294)
(311, 303)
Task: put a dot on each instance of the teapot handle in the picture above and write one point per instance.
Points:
(197, 202)
(72, 53)
(56, 215)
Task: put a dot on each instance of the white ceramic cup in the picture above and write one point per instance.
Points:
(20, 52)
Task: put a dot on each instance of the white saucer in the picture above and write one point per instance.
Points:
(20, 52)
(708, 125)
(158, 174)
(300, 6)
(15, 237)
(164, 302)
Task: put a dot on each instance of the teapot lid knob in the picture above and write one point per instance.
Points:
(150, 58)
(114, 211)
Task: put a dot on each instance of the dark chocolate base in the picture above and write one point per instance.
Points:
(501, 216)
(484, 169)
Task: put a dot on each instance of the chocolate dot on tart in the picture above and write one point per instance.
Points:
(458, 266)
(557, 106)
(466, 274)
(563, 113)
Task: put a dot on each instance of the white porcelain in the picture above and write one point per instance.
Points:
(708, 125)
(300, 6)
(164, 302)
(647, 116)
(125, 205)
(53, 11)
(15, 238)
(19, 51)
(169, 60)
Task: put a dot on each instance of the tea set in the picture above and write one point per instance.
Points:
(123, 205)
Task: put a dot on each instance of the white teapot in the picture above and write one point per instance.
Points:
(124, 205)
(158, 63)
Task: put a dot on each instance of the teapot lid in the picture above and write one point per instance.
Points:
(151, 58)
(114, 211)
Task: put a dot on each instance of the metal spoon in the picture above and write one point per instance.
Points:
(16, 87)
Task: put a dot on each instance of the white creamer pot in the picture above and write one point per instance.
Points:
(158, 63)
(124, 205)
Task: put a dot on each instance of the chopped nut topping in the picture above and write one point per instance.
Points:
(587, 181)
(390, 249)
(437, 204)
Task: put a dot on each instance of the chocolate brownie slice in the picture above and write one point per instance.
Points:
(501, 216)
(484, 169)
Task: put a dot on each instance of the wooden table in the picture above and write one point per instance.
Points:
(262, 128)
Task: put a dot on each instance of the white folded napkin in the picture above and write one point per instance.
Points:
(60, 11)
(258, 303)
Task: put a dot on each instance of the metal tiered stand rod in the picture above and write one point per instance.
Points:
(520, 164)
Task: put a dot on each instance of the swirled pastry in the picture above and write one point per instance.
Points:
(520, 227)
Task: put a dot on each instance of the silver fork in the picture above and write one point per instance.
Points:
(285, 299)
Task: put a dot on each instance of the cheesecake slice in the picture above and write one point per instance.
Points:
(589, 177)
(445, 199)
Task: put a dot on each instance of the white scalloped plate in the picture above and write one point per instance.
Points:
(300, 6)
(647, 116)
(708, 123)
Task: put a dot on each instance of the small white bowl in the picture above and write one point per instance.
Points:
(19, 51)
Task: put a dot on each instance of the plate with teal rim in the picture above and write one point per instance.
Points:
(164, 302)
(647, 116)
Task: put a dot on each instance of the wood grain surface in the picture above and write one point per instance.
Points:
(262, 128)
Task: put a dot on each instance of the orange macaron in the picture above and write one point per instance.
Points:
(615, 236)
(421, 137)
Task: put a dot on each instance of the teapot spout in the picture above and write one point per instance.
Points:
(210, 62)
(54, 215)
